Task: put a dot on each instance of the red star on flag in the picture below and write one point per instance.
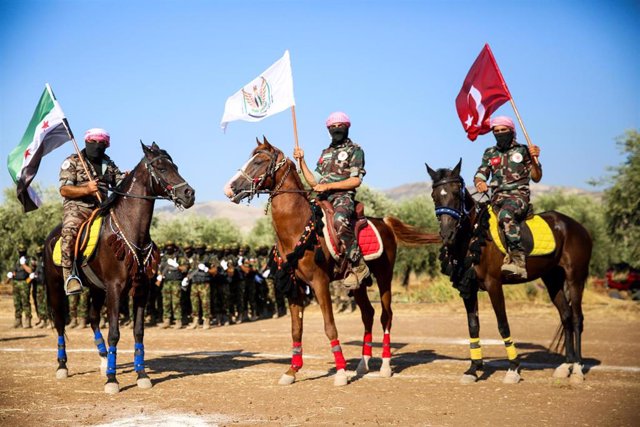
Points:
(27, 153)
(45, 124)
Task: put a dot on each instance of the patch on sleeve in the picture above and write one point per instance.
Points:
(65, 164)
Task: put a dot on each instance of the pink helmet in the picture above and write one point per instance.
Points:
(97, 134)
(338, 117)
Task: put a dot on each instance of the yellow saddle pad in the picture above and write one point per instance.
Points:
(543, 241)
(94, 233)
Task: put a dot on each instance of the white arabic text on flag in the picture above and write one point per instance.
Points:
(266, 95)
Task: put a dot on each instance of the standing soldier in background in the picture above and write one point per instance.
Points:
(185, 295)
(154, 305)
(221, 291)
(22, 274)
(229, 264)
(200, 287)
(39, 291)
(79, 308)
(172, 272)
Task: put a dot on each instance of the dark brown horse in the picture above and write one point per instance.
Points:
(124, 260)
(473, 261)
(308, 259)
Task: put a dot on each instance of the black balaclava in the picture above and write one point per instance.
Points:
(95, 152)
(170, 250)
(339, 134)
(504, 140)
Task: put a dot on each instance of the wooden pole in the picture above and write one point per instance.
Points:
(295, 133)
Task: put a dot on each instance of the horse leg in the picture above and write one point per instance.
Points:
(366, 314)
(113, 306)
(139, 302)
(56, 296)
(497, 301)
(97, 300)
(473, 322)
(386, 318)
(554, 282)
(324, 299)
(576, 288)
(296, 309)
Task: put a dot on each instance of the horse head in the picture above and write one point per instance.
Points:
(257, 174)
(166, 182)
(449, 197)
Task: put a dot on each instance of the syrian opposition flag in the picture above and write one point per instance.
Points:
(483, 92)
(45, 133)
(266, 95)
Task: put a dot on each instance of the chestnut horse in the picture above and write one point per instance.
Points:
(124, 258)
(473, 261)
(304, 248)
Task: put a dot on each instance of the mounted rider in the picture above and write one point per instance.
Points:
(511, 166)
(80, 193)
(337, 175)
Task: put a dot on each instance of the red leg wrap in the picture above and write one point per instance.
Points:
(386, 345)
(296, 358)
(366, 344)
(337, 355)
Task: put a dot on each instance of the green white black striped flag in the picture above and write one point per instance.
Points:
(45, 133)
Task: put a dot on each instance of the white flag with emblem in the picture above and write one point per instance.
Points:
(268, 94)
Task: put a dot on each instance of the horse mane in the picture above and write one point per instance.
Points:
(120, 188)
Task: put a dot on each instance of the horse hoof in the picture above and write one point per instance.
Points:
(112, 388)
(144, 383)
(340, 378)
(286, 379)
(103, 366)
(62, 374)
(363, 367)
(562, 371)
(385, 369)
(577, 377)
(468, 379)
(511, 377)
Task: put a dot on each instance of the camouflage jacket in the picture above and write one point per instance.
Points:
(72, 173)
(195, 273)
(337, 163)
(510, 171)
(171, 273)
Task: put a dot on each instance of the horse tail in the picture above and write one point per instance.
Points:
(409, 234)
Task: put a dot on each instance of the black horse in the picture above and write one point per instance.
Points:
(473, 262)
(124, 260)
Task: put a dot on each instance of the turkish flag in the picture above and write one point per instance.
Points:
(483, 91)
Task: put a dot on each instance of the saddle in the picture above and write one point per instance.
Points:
(536, 235)
(367, 235)
(86, 241)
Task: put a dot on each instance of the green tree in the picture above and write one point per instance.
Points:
(622, 201)
(262, 234)
(196, 228)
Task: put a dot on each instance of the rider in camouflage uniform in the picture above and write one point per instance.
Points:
(200, 287)
(172, 271)
(22, 274)
(510, 166)
(80, 193)
(338, 173)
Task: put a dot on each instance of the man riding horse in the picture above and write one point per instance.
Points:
(80, 193)
(338, 173)
(510, 166)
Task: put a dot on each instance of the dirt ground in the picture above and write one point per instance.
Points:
(228, 376)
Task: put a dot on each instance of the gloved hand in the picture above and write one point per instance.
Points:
(23, 260)
(32, 276)
(224, 264)
(266, 273)
(202, 267)
(159, 277)
(185, 283)
(172, 262)
(10, 275)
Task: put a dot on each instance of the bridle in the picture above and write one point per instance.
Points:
(459, 213)
(270, 172)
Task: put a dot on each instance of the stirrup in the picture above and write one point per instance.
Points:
(66, 283)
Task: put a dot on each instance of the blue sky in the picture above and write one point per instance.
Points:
(162, 70)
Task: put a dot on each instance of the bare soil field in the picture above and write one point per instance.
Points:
(228, 376)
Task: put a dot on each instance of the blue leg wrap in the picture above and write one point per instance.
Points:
(111, 360)
(138, 357)
(99, 342)
(62, 354)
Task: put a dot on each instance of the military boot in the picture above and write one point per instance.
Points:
(83, 323)
(166, 324)
(358, 273)
(193, 324)
(514, 265)
(27, 323)
(72, 284)
(17, 323)
(206, 323)
(179, 324)
(43, 324)
(74, 323)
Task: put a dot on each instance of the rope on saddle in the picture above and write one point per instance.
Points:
(461, 271)
(84, 226)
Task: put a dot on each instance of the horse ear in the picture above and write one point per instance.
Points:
(144, 147)
(155, 146)
(432, 173)
(264, 139)
(257, 141)
(456, 170)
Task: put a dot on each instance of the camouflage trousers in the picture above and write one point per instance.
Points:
(201, 295)
(171, 300)
(74, 216)
(40, 299)
(344, 207)
(79, 304)
(221, 297)
(511, 210)
(21, 302)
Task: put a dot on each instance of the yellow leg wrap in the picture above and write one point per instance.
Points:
(475, 349)
(512, 353)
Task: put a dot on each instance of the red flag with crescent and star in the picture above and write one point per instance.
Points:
(483, 92)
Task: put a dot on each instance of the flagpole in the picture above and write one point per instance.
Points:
(67, 127)
(295, 132)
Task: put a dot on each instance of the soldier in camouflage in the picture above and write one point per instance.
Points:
(22, 274)
(200, 287)
(221, 286)
(172, 272)
(338, 174)
(39, 291)
(511, 166)
(80, 193)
